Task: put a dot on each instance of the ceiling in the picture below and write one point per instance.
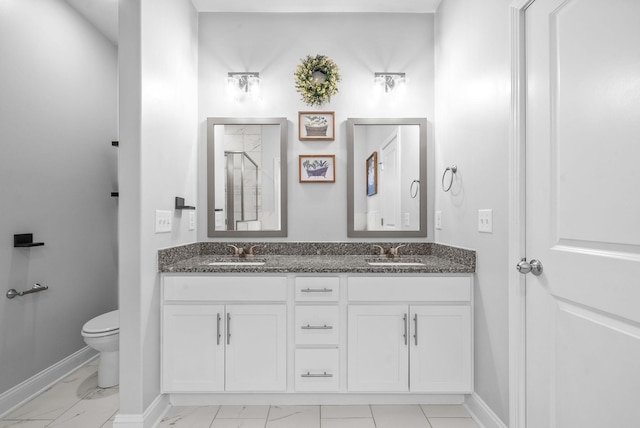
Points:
(104, 13)
(388, 6)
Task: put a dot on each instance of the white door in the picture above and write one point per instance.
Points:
(440, 355)
(389, 183)
(583, 213)
(256, 341)
(378, 352)
(192, 350)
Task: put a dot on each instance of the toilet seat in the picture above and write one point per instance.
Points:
(103, 325)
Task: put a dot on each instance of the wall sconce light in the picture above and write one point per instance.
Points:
(242, 85)
(387, 82)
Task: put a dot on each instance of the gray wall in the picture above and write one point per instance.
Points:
(57, 169)
(472, 116)
(274, 44)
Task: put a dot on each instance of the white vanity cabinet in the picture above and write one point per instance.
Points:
(334, 335)
(410, 334)
(224, 334)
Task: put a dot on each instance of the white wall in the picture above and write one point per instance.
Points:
(158, 137)
(57, 170)
(274, 44)
(472, 117)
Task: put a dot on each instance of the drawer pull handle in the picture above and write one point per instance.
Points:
(316, 327)
(228, 328)
(317, 290)
(308, 374)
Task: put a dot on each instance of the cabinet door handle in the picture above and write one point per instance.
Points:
(316, 327)
(415, 328)
(228, 328)
(317, 290)
(218, 329)
(308, 374)
(404, 319)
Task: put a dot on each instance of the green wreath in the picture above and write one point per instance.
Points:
(317, 79)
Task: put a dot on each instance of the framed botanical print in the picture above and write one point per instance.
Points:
(316, 125)
(317, 168)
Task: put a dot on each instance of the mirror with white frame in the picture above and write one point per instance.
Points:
(247, 177)
(387, 177)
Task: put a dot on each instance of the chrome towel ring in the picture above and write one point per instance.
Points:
(453, 169)
(411, 192)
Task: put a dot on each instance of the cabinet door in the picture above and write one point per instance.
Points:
(192, 352)
(256, 348)
(440, 356)
(378, 357)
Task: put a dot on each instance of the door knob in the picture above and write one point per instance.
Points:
(534, 266)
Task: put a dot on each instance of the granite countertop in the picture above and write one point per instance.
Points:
(316, 258)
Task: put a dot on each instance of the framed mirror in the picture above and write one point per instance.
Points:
(387, 178)
(247, 177)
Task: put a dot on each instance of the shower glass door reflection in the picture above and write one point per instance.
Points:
(242, 190)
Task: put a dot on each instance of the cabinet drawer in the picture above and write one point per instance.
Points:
(317, 288)
(317, 370)
(398, 289)
(317, 325)
(225, 288)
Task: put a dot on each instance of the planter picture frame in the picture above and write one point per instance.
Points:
(317, 168)
(316, 125)
(372, 174)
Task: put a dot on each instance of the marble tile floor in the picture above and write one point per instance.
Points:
(77, 402)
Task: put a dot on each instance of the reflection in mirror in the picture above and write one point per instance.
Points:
(387, 177)
(246, 170)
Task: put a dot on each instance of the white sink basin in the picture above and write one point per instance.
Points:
(396, 264)
(236, 264)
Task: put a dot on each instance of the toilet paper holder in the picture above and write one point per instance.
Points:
(35, 288)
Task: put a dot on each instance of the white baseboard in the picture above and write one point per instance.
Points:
(482, 413)
(25, 391)
(149, 419)
(302, 399)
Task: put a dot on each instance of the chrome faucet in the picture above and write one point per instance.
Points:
(391, 252)
(242, 252)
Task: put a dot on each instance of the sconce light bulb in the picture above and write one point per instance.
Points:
(240, 86)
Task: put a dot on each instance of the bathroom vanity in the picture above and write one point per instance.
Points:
(335, 327)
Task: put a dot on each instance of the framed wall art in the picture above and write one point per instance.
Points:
(316, 125)
(317, 168)
(372, 174)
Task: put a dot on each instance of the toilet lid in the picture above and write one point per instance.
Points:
(103, 323)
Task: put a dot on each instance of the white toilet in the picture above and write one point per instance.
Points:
(102, 333)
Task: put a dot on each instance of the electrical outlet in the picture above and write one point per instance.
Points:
(192, 220)
(485, 221)
(439, 220)
(163, 221)
(407, 219)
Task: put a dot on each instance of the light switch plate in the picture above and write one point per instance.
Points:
(219, 219)
(407, 219)
(485, 221)
(163, 221)
(439, 220)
